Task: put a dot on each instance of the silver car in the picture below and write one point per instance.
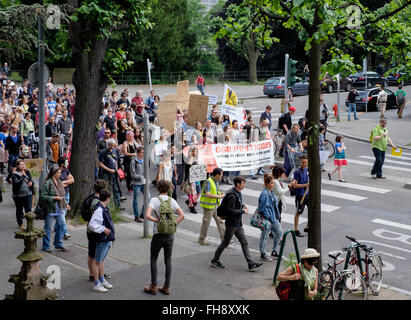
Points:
(275, 87)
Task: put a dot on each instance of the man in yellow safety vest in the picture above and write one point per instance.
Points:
(209, 201)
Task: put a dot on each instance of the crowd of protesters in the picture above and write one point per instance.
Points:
(120, 159)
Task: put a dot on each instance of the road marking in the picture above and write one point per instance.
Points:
(346, 196)
(371, 164)
(393, 224)
(385, 245)
(392, 255)
(355, 186)
(393, 178)
(388, 160)
(397, 157)
(289, 200)
(285, 217)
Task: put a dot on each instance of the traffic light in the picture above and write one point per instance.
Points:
(292, 71)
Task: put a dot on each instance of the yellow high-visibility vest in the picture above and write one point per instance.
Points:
(209, 203)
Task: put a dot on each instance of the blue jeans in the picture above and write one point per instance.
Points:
(137, 189)
(58, 237)
(65, 224)
(278, 233)
(12, 163)
(200, 88)
(102, 249)
(353, 107)
(379, 161)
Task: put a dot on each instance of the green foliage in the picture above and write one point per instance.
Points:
(339, 63)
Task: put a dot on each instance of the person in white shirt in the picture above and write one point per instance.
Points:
(161, 241)
(382, 100)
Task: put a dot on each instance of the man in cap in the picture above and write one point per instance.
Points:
(379, 138)
(284, 125)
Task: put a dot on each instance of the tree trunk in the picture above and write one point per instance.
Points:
(314, 205)
(90, 83)
(252, 66)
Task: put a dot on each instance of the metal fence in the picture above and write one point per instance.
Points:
(141, 78)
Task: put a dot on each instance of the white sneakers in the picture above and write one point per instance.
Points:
(102, 287)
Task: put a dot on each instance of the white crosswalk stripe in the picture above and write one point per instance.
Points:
(388, 160)
(371, 164)
(398, 157)
(289, 200)
(355, 186)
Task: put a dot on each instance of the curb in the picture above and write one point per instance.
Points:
(407, 185)
(360, 139)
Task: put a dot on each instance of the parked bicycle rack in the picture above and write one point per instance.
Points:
(280, 255)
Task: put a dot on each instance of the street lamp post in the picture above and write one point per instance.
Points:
(338, 97)
(42, 128)
(146, 173)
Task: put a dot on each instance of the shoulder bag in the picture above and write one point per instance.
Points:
(258, 221)
(292, 289)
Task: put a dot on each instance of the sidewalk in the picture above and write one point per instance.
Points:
(129, 264)
(360, 130)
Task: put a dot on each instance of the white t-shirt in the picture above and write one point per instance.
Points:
(155, 205)
(382, 96)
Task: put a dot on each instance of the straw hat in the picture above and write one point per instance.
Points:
(121, 106)
(310, 253)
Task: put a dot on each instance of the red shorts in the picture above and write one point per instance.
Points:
(340, 162)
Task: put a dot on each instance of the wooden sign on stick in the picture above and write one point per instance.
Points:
(183, 94)
(197, 109)
(167, 112)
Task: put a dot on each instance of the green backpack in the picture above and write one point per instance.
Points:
(167, 223)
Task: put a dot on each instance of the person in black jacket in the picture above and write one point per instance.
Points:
(233, 204)
(12, 145)
(23, 187)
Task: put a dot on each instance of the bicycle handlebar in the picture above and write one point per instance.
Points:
(362, 246)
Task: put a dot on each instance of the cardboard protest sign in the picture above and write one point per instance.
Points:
(183, 94)
(197, 109)
(167, 112)
(198, 173)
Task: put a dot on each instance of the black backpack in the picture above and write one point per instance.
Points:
(221, 210)
(86, 210)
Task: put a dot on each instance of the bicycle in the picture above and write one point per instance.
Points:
(331, 119)
(355, 280)
(329, 146)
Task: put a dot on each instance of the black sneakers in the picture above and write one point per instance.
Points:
(298, 233)
(217, 264)
(274, 254)
(254, 265)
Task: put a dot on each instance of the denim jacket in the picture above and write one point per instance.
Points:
(267, 205)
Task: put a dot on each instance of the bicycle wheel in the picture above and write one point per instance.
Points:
(325, 282)
(329, 146)
(349, 285)
(375, 274)
(332, 120)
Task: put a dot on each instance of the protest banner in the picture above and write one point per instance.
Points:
(197, 109)
(198, 173)
(237, 157)
(183, 94)
(231, 108)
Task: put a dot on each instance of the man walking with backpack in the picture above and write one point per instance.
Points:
(161, 210)
(400, 96)
(232, 208)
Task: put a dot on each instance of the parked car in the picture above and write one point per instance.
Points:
(373, 78)
(275, 87)
(329, 83)
(396, 78)
(370, 97)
